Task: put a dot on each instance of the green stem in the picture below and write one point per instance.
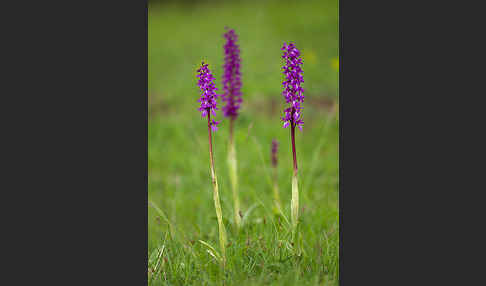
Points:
(217, 205)
(232, 164)
(294, 204)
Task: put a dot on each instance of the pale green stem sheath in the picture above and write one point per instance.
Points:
(276, 195)
(217, 204)
(232, 164)
(294, 203)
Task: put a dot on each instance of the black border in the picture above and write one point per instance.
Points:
(78, 143)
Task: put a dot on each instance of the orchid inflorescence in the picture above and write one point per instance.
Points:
(293, 91)
(274, 152)
(208, 96)
(231, 76)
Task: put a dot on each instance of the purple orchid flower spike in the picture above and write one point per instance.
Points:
(293, 91)
(274, 153)
(231, 75)
(208, 96)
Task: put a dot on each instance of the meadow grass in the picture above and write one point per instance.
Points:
(183, 244)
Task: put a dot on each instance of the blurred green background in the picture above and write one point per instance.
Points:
(180, 35)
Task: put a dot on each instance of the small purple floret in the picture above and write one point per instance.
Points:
(293, 91)
(208, 96)
(231, 76)
(274, 152)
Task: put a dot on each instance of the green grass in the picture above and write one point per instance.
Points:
(179, 179)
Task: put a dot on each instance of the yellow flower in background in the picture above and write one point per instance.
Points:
(309, 56)
(335, 63)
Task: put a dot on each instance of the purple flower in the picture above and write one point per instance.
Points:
(231, 76)
(293, 91)
(208, 96)
(274, 152)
